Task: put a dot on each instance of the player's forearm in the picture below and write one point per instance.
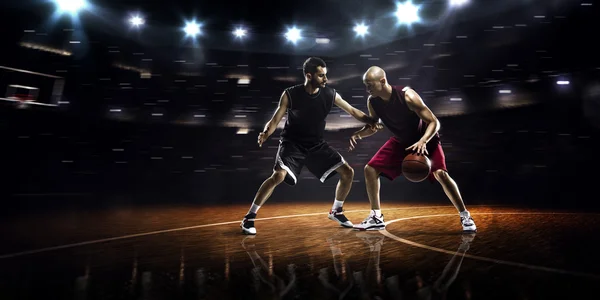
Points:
(270, 127)
(361, 116)
(365, 132)
(432, 129)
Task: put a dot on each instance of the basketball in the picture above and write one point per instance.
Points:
(415, 167)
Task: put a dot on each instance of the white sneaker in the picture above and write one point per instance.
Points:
(372, 222)
(467, 222)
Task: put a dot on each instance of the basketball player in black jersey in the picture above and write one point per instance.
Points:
(301, 144)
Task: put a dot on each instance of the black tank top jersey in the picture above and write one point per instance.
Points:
(399, 119)
(306, 114)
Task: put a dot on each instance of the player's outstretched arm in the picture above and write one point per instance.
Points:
(357, 114)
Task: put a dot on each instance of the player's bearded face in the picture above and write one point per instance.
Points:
(318, 80)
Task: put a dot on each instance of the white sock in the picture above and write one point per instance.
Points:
(376, 212)
(465, 213)
(254, 209)
(337, 204)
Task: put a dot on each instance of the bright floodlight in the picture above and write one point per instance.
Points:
(70, 6)
(407, 12)
(563, 82)
(293, 35)
(240, 32)
(361, 29)
(136, 21)
(458, 2)
(192, 28)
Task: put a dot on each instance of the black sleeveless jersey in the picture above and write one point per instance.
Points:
(399, 119)
(306, 114)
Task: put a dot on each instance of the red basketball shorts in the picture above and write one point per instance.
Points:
(388, 160)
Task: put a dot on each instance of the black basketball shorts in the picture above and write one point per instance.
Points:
(320, 159)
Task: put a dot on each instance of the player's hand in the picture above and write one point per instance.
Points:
(353, 142)
(375, 126)
(419, 147)
(262, 137)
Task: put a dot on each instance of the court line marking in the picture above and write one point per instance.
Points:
(129, 236)
(482, 258)
(66, 246)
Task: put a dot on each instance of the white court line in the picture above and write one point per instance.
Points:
(482, 258)
(11, 255)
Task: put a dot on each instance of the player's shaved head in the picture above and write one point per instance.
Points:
(374, 73)
(375, 81)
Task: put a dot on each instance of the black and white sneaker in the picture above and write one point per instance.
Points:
(467, 222)
(372, 222)
(247, 224)
(338, 216)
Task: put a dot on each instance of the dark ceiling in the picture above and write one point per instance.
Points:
(268, 20)
(468, 53)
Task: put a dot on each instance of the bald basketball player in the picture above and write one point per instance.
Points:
(415, 129)
(301, 144)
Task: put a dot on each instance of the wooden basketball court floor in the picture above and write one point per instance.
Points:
(198, 252)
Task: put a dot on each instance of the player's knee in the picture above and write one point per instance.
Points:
(440, 174)
(370, 171)
(346, 171)
(278, 176)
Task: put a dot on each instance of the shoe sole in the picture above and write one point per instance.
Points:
(246, 231)
(370, 228)
(469, 228)
(341, 224)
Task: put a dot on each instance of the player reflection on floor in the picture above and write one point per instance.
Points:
(262, 274)
(370, 284)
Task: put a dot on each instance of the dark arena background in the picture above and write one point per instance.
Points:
(129, 150)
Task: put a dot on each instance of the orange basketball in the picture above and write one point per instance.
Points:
(416, 168)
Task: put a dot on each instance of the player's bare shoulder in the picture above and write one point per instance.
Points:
(412, 98)
(284, 99)
(409, 93)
